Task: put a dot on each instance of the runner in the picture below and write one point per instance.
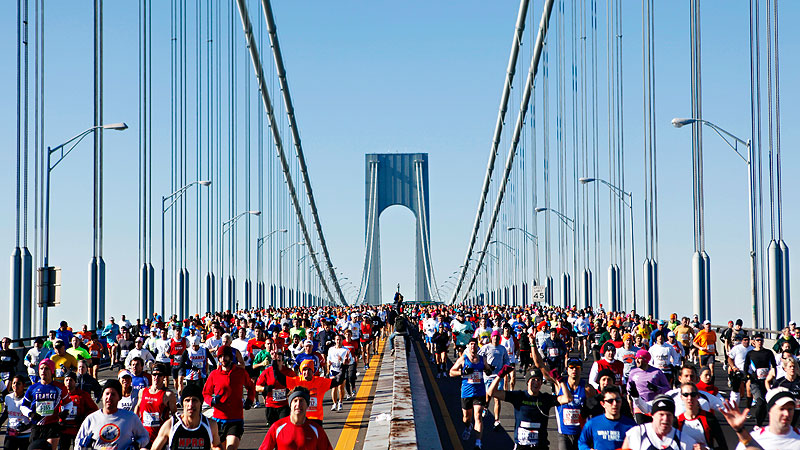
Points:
(128, 398)
(338, 358)
(177, 347)
(110, 427)
(607, 362)
(223, 391)
(702, 425)
(531, 409)
(659, 434)
(470, 366)
(706, 344)
(45, 402)
(736, 370)
(275, 393)
(157, 403)
(82, 406)
(778, 435)
(758, 364)
(568, 415)
(18, 428)
(296, 431)
(190, 430)
(607, 431)
(441, 340)
(317, 387)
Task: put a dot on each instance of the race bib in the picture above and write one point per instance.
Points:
(6, 358)
(572, 416)
(151, 420)
(683, 337)
(60, 372)
(475, 377)
(762, 373)
(711, 348)
(12, 432)
(552, 352)
(73, 412)
(528, 437)
(313, 402)
(95, 354)
(45, 407)
(279, 395)
(123, 353)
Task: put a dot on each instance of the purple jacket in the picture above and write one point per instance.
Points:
(652, 375)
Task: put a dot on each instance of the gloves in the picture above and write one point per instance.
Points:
(87, 442)
(216, 399)
(488, 369)
(467, 370)
(35, 417)
(652, 387)
(505, 370)
(248, 404)
(632, 390)
(63, 414)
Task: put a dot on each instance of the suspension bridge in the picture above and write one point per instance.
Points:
(578, 205)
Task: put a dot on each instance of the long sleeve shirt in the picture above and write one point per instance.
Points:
(230, 385)
(47, 400)
(116, 431)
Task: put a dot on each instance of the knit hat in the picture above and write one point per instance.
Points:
(300, 392)
(48, 363)
(663, 403)
(644, 354)
(192, 390)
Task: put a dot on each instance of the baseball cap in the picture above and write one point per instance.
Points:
(572, 362)
(706, 322)
(670, 334)
(308, 342)
(124, 373)
(779, 397)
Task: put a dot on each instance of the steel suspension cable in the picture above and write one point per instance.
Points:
(543, 25)
(498, 132)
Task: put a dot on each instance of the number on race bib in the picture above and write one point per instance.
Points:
(572, 416)
(45, 408)
(279, 395)
(528, 437)
(151, 420)
(313, 402)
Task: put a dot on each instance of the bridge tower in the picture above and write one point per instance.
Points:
(397, 179)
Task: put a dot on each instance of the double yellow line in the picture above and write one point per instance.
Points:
(347, 439)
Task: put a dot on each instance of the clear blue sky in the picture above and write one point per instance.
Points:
(403, 77)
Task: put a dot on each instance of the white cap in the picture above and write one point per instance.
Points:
(706, 322)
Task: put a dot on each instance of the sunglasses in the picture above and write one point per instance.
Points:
(690, 394)
(612, 400)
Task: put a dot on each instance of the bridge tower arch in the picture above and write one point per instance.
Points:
(397, 179)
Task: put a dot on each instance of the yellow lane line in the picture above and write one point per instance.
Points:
(347, 439)
(448, 423)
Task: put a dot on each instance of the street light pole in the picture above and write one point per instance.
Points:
(733, 142)
(571, 225)
(227, 225)
(650, 308)
(280, 270)
(261, 294)
(75, 140)
(184, 302)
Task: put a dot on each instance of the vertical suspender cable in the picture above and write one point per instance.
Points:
(498, 132)
(526, 94)
(251, 44)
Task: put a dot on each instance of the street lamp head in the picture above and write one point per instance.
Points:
(679, 122)
(540, 209)
(585, 180)
(204, 183)
(116, 126)
(254, 212)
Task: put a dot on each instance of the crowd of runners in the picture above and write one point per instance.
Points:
(651, 383)
(185, 384)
